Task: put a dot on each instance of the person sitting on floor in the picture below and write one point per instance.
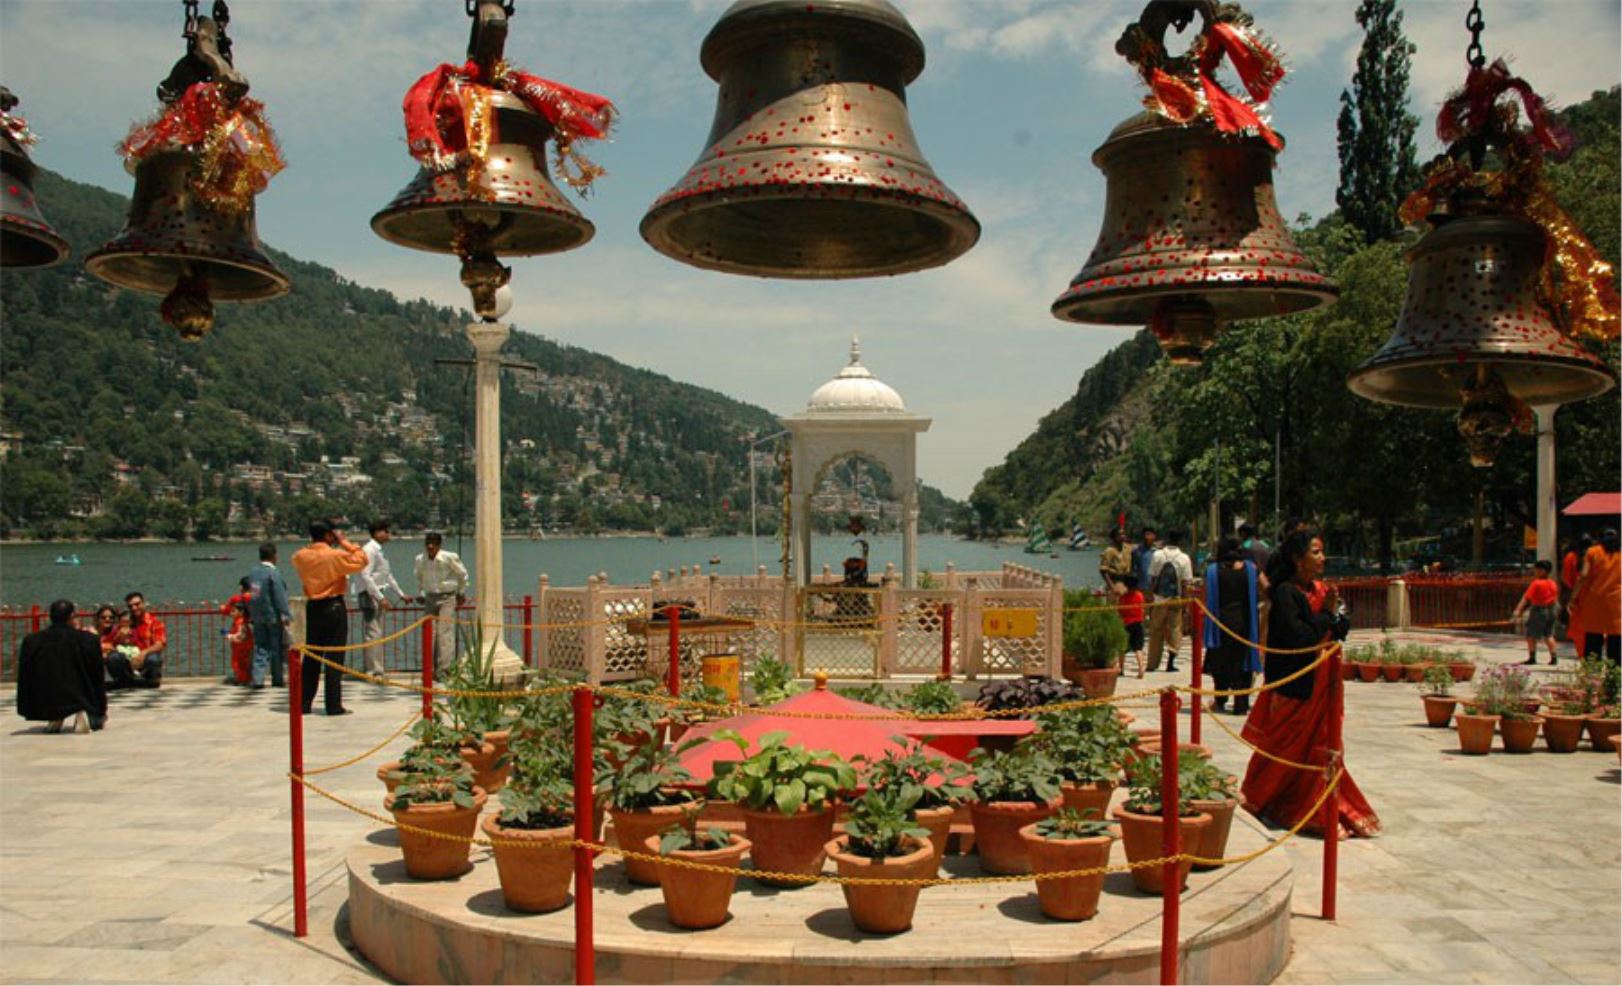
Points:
(59, 674)
(149, 637)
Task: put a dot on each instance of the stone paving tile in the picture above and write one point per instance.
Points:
(157, 850)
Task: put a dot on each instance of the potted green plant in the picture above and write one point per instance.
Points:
(1505, 691)
(685, 717)
(871, 693)
(1089, 745)
(696, 898)
(530, 835)
(931, 698)
(772, 681)
(1459, 666)
(1141, 822)
(939, 782)
(433, 742)
(436, 808)
(1435, 694)
(786, 795)
(1568, 702)
(1214, 791)
(1416, 661)
(1367, 660)
(480, 718)
(1603, 723)
(883, 840)
(1011, 790)
(644, 799)
(629, 721)
(1093, 643)
(1393, 665)
(1069, 840)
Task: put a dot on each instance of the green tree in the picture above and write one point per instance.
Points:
(126, 514)
(1375, 131)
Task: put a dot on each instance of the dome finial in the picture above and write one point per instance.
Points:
(855, 351)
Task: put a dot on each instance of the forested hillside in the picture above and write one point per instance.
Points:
(1161, 442)
(328, 400)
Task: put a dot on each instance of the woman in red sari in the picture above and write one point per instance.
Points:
(1292, 720)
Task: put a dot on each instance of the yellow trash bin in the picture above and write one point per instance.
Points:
(721, 671)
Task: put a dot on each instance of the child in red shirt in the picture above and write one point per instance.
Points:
(1131, 610)
(1538, 603)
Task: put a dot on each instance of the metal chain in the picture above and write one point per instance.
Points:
(1474, 22)
(188, 29)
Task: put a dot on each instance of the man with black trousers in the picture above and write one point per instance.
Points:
(59, 675)
(324, 566)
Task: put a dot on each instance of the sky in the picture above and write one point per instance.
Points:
(1015, 96)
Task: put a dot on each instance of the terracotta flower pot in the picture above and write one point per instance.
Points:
(1348, 670)
(1600, 727)
(535, 878)
(789, 843)
(1439, 710)
(996, 832)
(1073, 898)
(1092, 797)
(1140, 834)
(1367, 670)
(632, 829)
(1416, 672)
(1099, 682)
(483, 762)
(1519, 735)
(882, 910)
(430, 858)
(1475, 732)
(1392, 671)
(939, 823)
(1462, 670)
(698, 898)
(1562, 732)
(1214, 837)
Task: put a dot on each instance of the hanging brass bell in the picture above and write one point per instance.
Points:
(26, 238)
(510, 203)
(1472, 315)
(175, 243)
(1192, 238)
(811, 169)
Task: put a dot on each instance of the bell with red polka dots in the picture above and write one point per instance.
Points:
(811, 168)
(26, 238)
(1192, 238)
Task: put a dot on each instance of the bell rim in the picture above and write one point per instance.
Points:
(1065, 306)
(1357, 382)
(279, 282)
(739, 23)
(657, 221)
(46, 236)
(574, 220)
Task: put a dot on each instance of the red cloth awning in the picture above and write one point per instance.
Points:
(848, 738)
(1595, 505)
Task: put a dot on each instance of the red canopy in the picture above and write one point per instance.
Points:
(1595, 505)
(871, 738)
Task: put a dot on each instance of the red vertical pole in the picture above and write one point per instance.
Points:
(673, 681)
(1171, 838)
(1331, 808)
(295, 764)
(585, 947)
(946, 642)
(529, 632)
(1198, 670)
(34, 619)
(428, 667)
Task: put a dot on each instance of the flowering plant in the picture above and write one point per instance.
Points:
(1505, 690)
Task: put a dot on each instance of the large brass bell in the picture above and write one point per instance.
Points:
(511, 202)
(1474, 334)
(26, 238)
(811, 169)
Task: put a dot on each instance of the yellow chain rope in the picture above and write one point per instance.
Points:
(345, 648)
(315, 771)
(1265, 686)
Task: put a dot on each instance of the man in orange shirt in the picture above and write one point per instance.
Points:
(324, 566)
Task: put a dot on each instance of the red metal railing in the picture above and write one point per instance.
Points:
(198, 648)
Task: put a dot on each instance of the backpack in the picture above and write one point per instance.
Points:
(1167, 583)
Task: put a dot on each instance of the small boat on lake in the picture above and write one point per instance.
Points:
(68, 560)
(212, 558)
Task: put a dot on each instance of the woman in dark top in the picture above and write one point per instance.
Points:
(1231, 594)
(1292, 720)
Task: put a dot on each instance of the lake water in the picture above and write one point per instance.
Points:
(167, 573)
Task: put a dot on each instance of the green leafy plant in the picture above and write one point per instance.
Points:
(1024, 693)
(647, 776)
(1202, 780)
(1583, 689)
(1094, 634)
(1143, 796)
(435, 744)
(697, 691)
(1022, 774)
(474, 671)
(1069, 823)
(540, 792)
(435, 783)
(932, 698)
(686, 835)
(882, 820)
(1438, 681)
(772, 681)
(786, 778)
(938, 781)
(1088, 744)
(629, 716)
(873, 694)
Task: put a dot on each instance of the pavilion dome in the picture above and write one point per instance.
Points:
(855, 391)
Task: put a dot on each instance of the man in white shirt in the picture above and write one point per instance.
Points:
(1170, 577)
(369, 586)
(442, 583)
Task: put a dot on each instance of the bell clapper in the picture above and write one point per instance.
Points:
(1487, 416)
(1186, 326)
(483, 274)
(188, 307)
